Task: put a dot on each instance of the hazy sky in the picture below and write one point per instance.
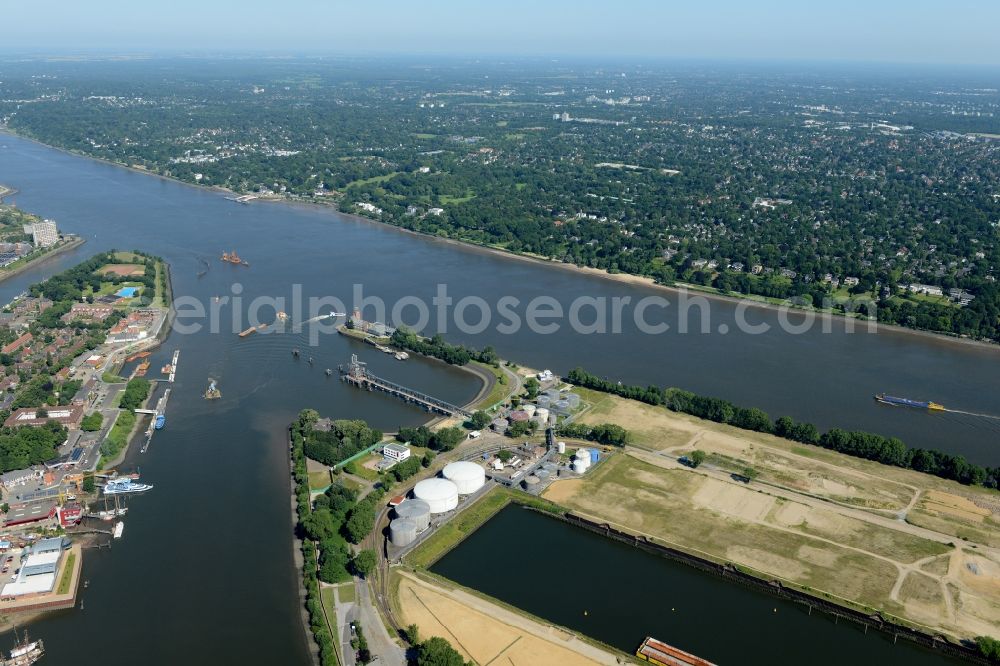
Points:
(957, 31)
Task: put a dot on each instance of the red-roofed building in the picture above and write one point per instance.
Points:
(17, 344)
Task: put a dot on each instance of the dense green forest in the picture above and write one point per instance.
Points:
(21, 448)
(837, 187)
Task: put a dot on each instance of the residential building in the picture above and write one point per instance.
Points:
(43, 234)
(69, 416)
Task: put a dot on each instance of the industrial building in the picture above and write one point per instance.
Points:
(440, 494)
(395, 453)
(38, 569)
(468, 477)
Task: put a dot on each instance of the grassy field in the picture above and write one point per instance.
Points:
(447, 199)
(346, 593)
(319, 479)
(856, 482)
(499, 392)
(67, 574)
(118, 437)
(372, 180)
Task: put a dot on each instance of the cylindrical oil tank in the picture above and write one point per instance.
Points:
(467, 476)
(561, 447)
(580, 465)
(543, 473)
(573, 399)
(542, 415)
(440, 494)
(499, 424)
(553, 394)
(519, 415)
(582, 454)
(595, 455)
(416, 510)
(560, 406)
(529, 409)
(530, 481)
(402, 532)
(543, 400)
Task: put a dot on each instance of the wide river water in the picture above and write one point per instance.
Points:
(206, 562)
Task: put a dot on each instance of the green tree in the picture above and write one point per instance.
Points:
(989, 647)
(531, 387)
(697, 457)
(519, 428)
(436, 651)
(412, 634)
(364, 562)
(480, 419)
(92, 422)
(88, 483)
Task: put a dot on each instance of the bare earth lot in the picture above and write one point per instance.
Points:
(487, 633)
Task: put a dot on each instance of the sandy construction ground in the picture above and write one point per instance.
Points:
(488, 633)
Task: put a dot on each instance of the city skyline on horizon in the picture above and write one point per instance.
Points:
(918, 32)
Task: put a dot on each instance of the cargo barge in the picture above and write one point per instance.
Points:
(906, 402)
(658, 652)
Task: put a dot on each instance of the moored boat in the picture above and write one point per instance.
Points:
(126, 485)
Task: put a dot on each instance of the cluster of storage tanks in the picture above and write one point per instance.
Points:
(431, 496)
(584, 458)
(547, 407)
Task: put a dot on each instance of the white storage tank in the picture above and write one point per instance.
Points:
(441, 495)
(542, 415)
(416, 510)
(561, 447)
(560, 406)
(543, 400)
(582, 454)
(402, 532)
(529, 409)
(467, 476)
(553, 394)
(573, 399)
(580, 465)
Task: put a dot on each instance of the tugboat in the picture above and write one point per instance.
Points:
(160, 421)
(233, 258)
(328, 372)
(25, 652)
(213, 392)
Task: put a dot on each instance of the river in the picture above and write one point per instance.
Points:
(206, 562)
(619, 595)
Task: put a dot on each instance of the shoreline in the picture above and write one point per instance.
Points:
(622, 278)
(72, 244)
